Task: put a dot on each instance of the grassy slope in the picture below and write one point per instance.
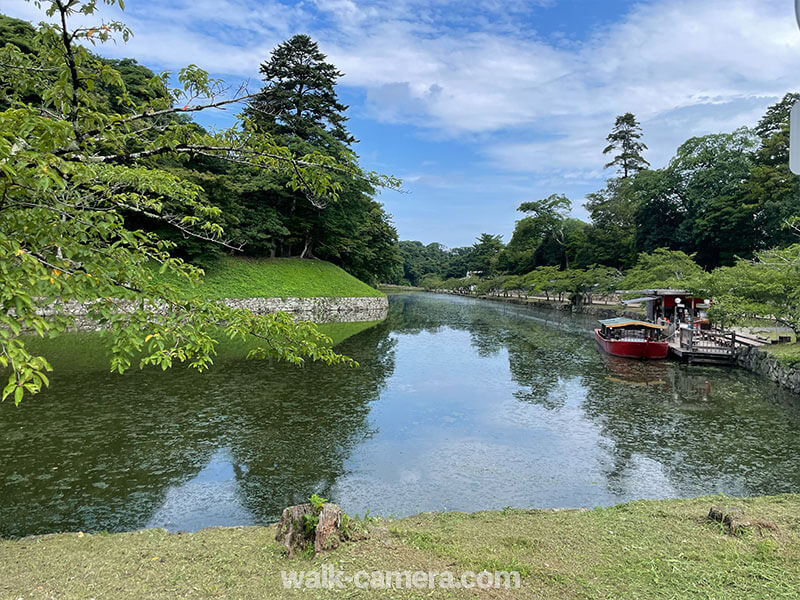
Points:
(787, 354)
(646, 549)
(280, 278)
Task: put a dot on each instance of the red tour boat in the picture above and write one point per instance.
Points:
(632, 339)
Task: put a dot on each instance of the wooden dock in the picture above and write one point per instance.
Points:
(713, 347)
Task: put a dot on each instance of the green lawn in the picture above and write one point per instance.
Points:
(280, 278)
(642, 550)
(787, 354)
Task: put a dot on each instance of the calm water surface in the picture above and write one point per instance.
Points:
(459, 404)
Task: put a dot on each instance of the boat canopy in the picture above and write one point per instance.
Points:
(625, 322)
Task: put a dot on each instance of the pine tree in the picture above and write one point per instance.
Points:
(299, 96)
(625, 138)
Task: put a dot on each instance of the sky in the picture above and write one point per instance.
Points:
(481, 105)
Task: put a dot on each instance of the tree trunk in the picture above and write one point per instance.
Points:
(329, 530)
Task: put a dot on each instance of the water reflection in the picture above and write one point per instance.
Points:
(532, 414)
(106, 452)
(211, 496)
(459, 404)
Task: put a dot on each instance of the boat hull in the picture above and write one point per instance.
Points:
(633, 349)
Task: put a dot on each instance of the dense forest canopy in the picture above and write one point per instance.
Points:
(722, 219)
(261, 213)
(720, 198)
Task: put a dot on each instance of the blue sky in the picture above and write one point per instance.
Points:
(481, 105)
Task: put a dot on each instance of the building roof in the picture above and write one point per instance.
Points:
(656, 292)
(642, 299)
(625, 322)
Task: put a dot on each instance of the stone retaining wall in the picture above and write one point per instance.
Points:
(762, 362)
(319, 310)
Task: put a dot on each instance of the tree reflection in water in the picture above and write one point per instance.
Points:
(100, 452)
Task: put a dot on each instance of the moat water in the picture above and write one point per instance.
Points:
(458, 404)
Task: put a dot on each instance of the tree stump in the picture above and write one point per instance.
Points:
(295, 533)
(292, 528)
(329, 529)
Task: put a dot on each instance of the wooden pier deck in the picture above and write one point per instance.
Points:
(714, 347)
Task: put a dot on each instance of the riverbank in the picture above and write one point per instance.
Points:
(390, 288)
(645, 549)
(771, 362)
(601, 311)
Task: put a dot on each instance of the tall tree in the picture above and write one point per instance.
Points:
(661, 211)
(299, 107)
(566, 248)
(300, 96)
(613, 213)
(518, 255)
(624, 139)
(710, 174)
(485, 253)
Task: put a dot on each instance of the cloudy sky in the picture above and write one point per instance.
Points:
(480, 105)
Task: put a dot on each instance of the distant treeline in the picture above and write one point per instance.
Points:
(722, 197)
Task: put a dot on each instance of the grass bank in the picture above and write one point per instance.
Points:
(279, 278)
(787, 354)
(646, 549)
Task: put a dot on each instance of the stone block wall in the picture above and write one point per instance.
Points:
(762, 362)
(319, 310)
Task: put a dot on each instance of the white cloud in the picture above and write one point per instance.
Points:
(661, 57)
(471, 71)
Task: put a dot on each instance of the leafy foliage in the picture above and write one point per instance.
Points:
(718, 221)
(662, 269)
(767, 286)
(299, 97)
(72, 166)
(299, 107)
(613, 213)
